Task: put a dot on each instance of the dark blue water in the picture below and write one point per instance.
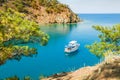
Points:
(101, 18)
(51, 58)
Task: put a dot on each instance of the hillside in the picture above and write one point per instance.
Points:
(109, 69)
(42, 11)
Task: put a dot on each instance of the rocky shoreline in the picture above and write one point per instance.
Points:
(49, 12)
(42, 17)
(109, 69)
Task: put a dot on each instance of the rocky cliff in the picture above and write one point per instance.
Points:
(107, 70)
(42, 11)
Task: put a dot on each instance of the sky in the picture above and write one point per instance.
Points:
(93, 6)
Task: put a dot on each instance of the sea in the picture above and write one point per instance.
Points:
(51, 58)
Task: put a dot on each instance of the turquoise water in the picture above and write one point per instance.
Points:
(51, 58)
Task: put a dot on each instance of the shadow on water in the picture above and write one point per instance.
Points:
(72, 54)
(58, 29)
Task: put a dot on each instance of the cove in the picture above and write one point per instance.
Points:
(51, 58)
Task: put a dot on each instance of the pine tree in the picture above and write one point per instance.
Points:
(109, 41)
(16, 30)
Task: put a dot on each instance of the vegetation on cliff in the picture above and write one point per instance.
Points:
(16, 30)
(42, 11)
(110, 41)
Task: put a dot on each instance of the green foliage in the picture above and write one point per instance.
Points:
(2, 1)
(52, 6)
(41, 77)
(20, 6)
(27, 78)
(110, 41)
(48, 3)
(15, 30)
(16, 78)
(12, 78)
(55, 9)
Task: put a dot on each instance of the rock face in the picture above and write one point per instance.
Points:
(42, 11)
(107, 70)
(42, 16)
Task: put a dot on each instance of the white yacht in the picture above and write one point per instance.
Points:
(72, 47)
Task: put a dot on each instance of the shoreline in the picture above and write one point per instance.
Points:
(96, 72)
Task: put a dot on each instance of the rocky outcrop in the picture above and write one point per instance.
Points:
(107, 70)
(42, 16)
(43, 11)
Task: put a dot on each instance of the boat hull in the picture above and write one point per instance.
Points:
(67, 50)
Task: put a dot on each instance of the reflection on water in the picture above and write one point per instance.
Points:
(57, 30)
(73, 54)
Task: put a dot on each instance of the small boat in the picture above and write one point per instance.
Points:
(72, 46)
